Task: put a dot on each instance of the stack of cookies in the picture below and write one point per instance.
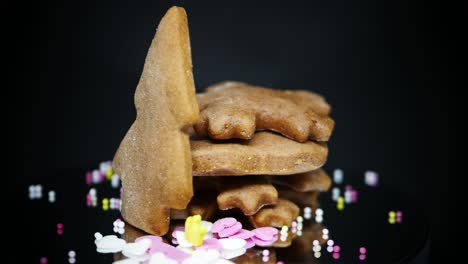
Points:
(257, 154)
(235, 150)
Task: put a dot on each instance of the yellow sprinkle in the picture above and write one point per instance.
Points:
(391, 220)
(109, 173)
(284, 228)
(194, 231)
(391, 214)
(340, 203)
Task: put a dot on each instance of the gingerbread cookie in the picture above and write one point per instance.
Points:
(265, 153)
(154, 158)
(237, 110)
(248, 195)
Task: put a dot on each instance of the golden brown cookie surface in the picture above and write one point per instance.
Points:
(154, 158)
(265, 153)
(237, 110)
(283, 213)
(317, 180)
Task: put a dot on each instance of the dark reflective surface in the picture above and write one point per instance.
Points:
(361, 224)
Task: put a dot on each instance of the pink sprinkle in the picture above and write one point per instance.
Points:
(88, 200)
(362, 256)
(294, 224)
(336, 248)
(265, 252)
(280, 262)
(229, 231)
(211, 243)
(265, 233)
(362, 250)
(59, 225)
(89, 178)
(59, 231)
(348, 188)
(265, 258)
(244, 234)
(336, 255)
(354, 196)
(222, 224)
(264, 243)
(43, 260)
(250, 243)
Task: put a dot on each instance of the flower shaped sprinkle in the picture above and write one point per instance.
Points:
(194, 230)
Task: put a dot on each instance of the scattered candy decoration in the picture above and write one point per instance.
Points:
(340, 203)
(91, 198)
(284, 233)
(330, 244)
(362, 253)
(35, 192)
(395, 217)
(325, 234)
(71, 256)
(336, 252)
(266, 255)
(399, 217)
(59, 229)
(338, 176)
(119, 226)
(105, 204)
(307, 212)
(319, 215)
(371, 178)
(201, 241)
(115, 181)
(336, 193)
(51, 196)
(391, 217)
(115, 204)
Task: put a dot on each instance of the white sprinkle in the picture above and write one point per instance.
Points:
(115, 181)
(299, 232)
(97, 235)
(121, 224)
(71, 260)
(315, 242)
(299, 219)
(71, 254)
(317, 248)
(330, 242)
(330, 248)
(325, 237)
(325, 231)
(51, 196)
(317, 254)
(319, 211)
(335, 193)
(307, 210)
(348, 197)
(318, 219)
(338, 176)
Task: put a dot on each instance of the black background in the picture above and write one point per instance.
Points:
(380, 64)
